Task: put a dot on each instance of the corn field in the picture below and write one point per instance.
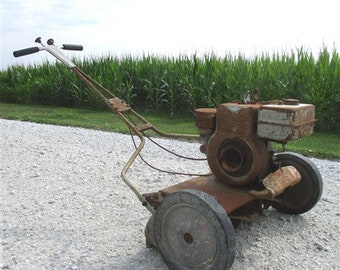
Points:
(178, 85)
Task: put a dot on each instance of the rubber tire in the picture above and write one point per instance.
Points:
(173, 220)
(303, 196)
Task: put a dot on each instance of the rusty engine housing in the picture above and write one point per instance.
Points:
(235, 154)
(238, 145)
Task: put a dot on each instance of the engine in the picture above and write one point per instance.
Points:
(236, 137)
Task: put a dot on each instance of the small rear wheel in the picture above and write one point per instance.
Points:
(304, 195)
(193, 231)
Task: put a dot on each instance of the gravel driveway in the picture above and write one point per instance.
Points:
(64, 206)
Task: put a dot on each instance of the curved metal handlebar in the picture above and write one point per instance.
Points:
(52, 49)
(69, 47)
(138, 125)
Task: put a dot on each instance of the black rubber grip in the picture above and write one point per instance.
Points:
(72, 47)
(26, 51)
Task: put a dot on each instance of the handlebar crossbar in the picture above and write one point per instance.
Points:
(52, 49)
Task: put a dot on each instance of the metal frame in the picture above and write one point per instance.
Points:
(123, 111)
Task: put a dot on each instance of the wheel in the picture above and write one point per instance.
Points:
(304, 195)
(193, 231)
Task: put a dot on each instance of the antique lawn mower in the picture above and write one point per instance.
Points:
(192, 223)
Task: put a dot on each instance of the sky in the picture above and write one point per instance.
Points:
(168, 27)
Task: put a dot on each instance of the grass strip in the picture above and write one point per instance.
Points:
(321, 145)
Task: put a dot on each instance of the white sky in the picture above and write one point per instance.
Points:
(169, 27)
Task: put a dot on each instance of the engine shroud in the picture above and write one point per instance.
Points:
(236, 155)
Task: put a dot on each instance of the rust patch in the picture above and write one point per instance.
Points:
(205, 118)
(230, 198)
(235, 154)
(286, 122)
(118, 104)
(282, 178)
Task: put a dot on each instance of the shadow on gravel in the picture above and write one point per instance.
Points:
(144, 259)
(259, 236)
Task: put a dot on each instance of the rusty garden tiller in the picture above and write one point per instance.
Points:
(192, 223)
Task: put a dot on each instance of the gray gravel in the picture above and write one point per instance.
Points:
(64, 206)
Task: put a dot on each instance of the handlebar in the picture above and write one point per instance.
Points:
(31, 50)
(26, 51)
(72, 47)
(52, 49)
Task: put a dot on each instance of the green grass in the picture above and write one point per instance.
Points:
(322, 145)
(94, 119)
